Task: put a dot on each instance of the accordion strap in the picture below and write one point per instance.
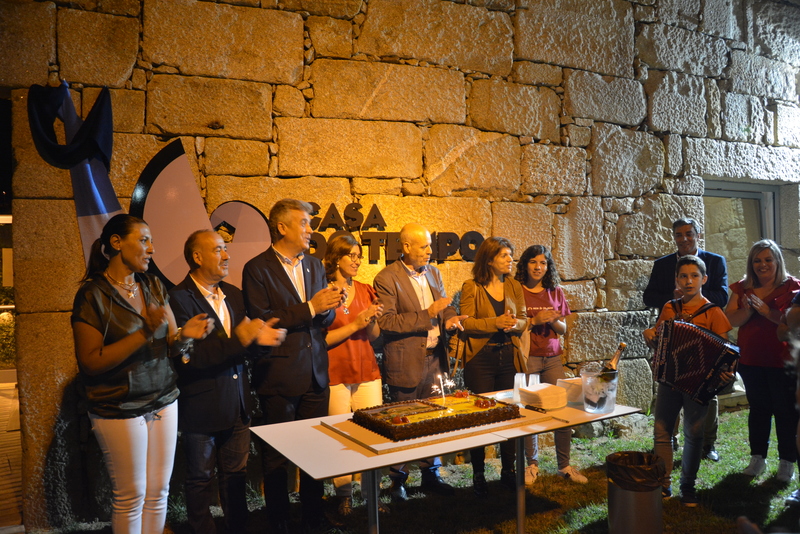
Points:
(677, 307)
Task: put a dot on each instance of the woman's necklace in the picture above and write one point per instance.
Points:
(132, 289)
(345, 307)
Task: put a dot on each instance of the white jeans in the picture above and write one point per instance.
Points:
(139, 453)
(346, 398)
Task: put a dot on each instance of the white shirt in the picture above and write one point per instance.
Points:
(294, 269)
(217, 302)
(425, 296)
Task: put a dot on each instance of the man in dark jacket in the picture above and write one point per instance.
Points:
(285, 283)
(215, 402)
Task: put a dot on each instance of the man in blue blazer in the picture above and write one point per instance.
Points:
(215, 403)
(661, 289)
(292, 382)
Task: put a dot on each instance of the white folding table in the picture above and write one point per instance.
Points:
(333, 446)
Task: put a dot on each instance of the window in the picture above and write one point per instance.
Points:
(737, 215)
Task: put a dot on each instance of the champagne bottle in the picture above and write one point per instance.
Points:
(609, 371)
(613, 363)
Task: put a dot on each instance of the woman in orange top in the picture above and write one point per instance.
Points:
(355, 380)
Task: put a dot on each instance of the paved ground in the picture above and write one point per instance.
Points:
(10, 459)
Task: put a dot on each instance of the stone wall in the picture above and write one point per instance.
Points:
(585, 126)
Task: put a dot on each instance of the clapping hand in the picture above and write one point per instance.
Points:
(327, 298)
(154, 316)
(544, 317)
(438, 306)
(374, 311)
(268, 335)
(198, 327)
(506, 322)
(455, 322)
(758, 305)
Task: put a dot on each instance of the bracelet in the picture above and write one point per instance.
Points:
(183, 346)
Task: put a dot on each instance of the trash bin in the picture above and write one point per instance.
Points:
(634, 493)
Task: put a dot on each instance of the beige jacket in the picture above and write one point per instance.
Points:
(480, 325)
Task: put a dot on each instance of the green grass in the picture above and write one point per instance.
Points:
(556, 506)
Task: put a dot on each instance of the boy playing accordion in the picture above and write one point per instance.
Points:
(692, 307)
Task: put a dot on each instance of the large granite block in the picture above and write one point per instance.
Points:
(27, 42)
(48, 400)
(191, 105)
(445, 33)
(237, 157)
(263, 45)
(522, 224)
(645, 232)
(665, 47)
(760, 76)
(744, 118)
(553, 170)
(263, 192)
(331, 37)
(624, 162)
(516, 109)
(462, 161)
(776, 31)
(714, 160)
(604, 98)
(333, 147)
(578, 241)
(127, 108)
(380, 91)
(676, 103)
(595, 336)
(95, 48)
(46, 241)
(595, 36)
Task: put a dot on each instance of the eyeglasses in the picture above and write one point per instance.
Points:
(354, 256)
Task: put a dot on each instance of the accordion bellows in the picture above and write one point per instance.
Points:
(544, 396)
(690, 359)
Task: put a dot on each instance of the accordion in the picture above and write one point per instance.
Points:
(690, 359)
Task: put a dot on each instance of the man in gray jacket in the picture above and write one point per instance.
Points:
(416, 315)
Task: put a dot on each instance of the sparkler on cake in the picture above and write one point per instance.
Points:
(543, 396)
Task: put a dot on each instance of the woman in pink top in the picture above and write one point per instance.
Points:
(546, 308)
(756, 307)
(355, 380)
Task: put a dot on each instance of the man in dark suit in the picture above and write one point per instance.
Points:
(416, 315)
(292, 382)
(661, 289)
(215, 403)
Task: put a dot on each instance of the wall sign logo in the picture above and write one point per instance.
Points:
(374, 236)
(166, 196)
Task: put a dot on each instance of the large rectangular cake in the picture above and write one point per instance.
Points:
(416, 418)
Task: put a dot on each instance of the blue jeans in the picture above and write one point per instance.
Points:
(549, 371)
(228, 451)
(668, 405)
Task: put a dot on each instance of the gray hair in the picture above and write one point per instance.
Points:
(279, 212)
